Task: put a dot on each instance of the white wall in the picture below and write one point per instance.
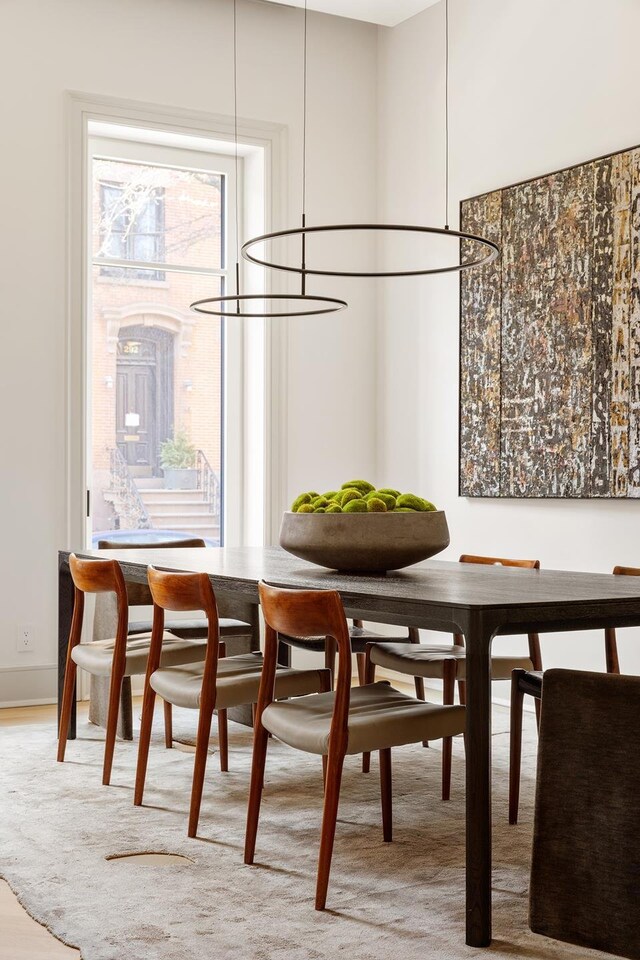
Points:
(175, 53)
(534, 87)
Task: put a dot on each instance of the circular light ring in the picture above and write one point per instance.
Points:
(492, 249)
(323, 305)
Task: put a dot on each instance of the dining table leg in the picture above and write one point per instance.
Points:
(478, 781)
(65, 613)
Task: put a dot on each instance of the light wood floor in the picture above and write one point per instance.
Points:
(23, 938)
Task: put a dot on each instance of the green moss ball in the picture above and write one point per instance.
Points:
(387, 499)
(348, 495)
(320, 510)
(429, 505)
(412, 501)
(376, 505)
(334, 508)
(330, 495)
(298, 502)
(319, 502)
(390, 492)
(362, 485)
(355, 506)
(305, 508)
(403, 510)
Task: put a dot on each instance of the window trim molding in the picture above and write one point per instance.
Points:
(81, 108)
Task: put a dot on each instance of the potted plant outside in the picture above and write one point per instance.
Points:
(178, 462)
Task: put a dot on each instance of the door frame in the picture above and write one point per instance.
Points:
(266, 154)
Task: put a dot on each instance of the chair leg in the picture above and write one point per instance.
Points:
(369, 677)
(330, 651)
(324, 771)
(515, 745)
(146, 724)
(462, 692)
(448, 690)
(199, 767)
(414, 637)
(168, 724)
(538, 708)
(67, 706)
(329, 818)
(223, 740)
(385, 795)
(260, 743)
(115, 688)
(360, 661)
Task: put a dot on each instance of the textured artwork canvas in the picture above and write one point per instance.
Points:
(550, 337)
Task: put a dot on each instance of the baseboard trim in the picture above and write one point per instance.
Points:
(28, 685)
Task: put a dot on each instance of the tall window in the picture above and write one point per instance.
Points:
(159, 242)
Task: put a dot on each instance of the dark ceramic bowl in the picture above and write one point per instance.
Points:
(364, 542)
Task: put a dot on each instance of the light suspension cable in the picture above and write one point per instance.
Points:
(279, 304)
(482, 251)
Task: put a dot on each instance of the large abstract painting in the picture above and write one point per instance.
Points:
(550, 337)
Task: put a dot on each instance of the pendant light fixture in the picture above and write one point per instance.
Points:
(240, 304)
(484, 250)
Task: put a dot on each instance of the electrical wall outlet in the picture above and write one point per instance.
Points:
(25, 639)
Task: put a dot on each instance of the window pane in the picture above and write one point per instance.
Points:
(156, 407)
(163, 214)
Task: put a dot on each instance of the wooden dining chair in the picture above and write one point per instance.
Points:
(334, 724)
(139, 596)
(219, 683)
(116, 658)
(528, 682)
(427, 661)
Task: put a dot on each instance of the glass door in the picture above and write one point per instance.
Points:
(160, 230)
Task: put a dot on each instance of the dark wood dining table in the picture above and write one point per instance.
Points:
(477, 601)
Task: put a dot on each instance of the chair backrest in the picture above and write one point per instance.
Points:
(184, 591)
(171, 590)
(307, 614)
(586, 846)
(97, 576)
(610, 639)
(138, 593)
(500, 562)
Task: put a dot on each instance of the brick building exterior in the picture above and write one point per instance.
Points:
(152, 357)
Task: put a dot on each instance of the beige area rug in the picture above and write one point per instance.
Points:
(404, 899)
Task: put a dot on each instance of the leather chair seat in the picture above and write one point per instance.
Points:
(379, 717)
(196, 628)
(360, 637)
(425, 660)
(96, 657)
(237, 682)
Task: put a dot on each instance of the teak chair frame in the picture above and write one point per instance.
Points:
(307, 613)
(184, 592)
(311, 613)
(97, 576)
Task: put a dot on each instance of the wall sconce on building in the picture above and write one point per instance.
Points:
(188, 385)
(108, 382)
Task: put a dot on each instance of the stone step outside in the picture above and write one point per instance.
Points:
(159, 495)
(191, 508)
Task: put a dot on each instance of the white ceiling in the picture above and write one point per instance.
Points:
(387, 13)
